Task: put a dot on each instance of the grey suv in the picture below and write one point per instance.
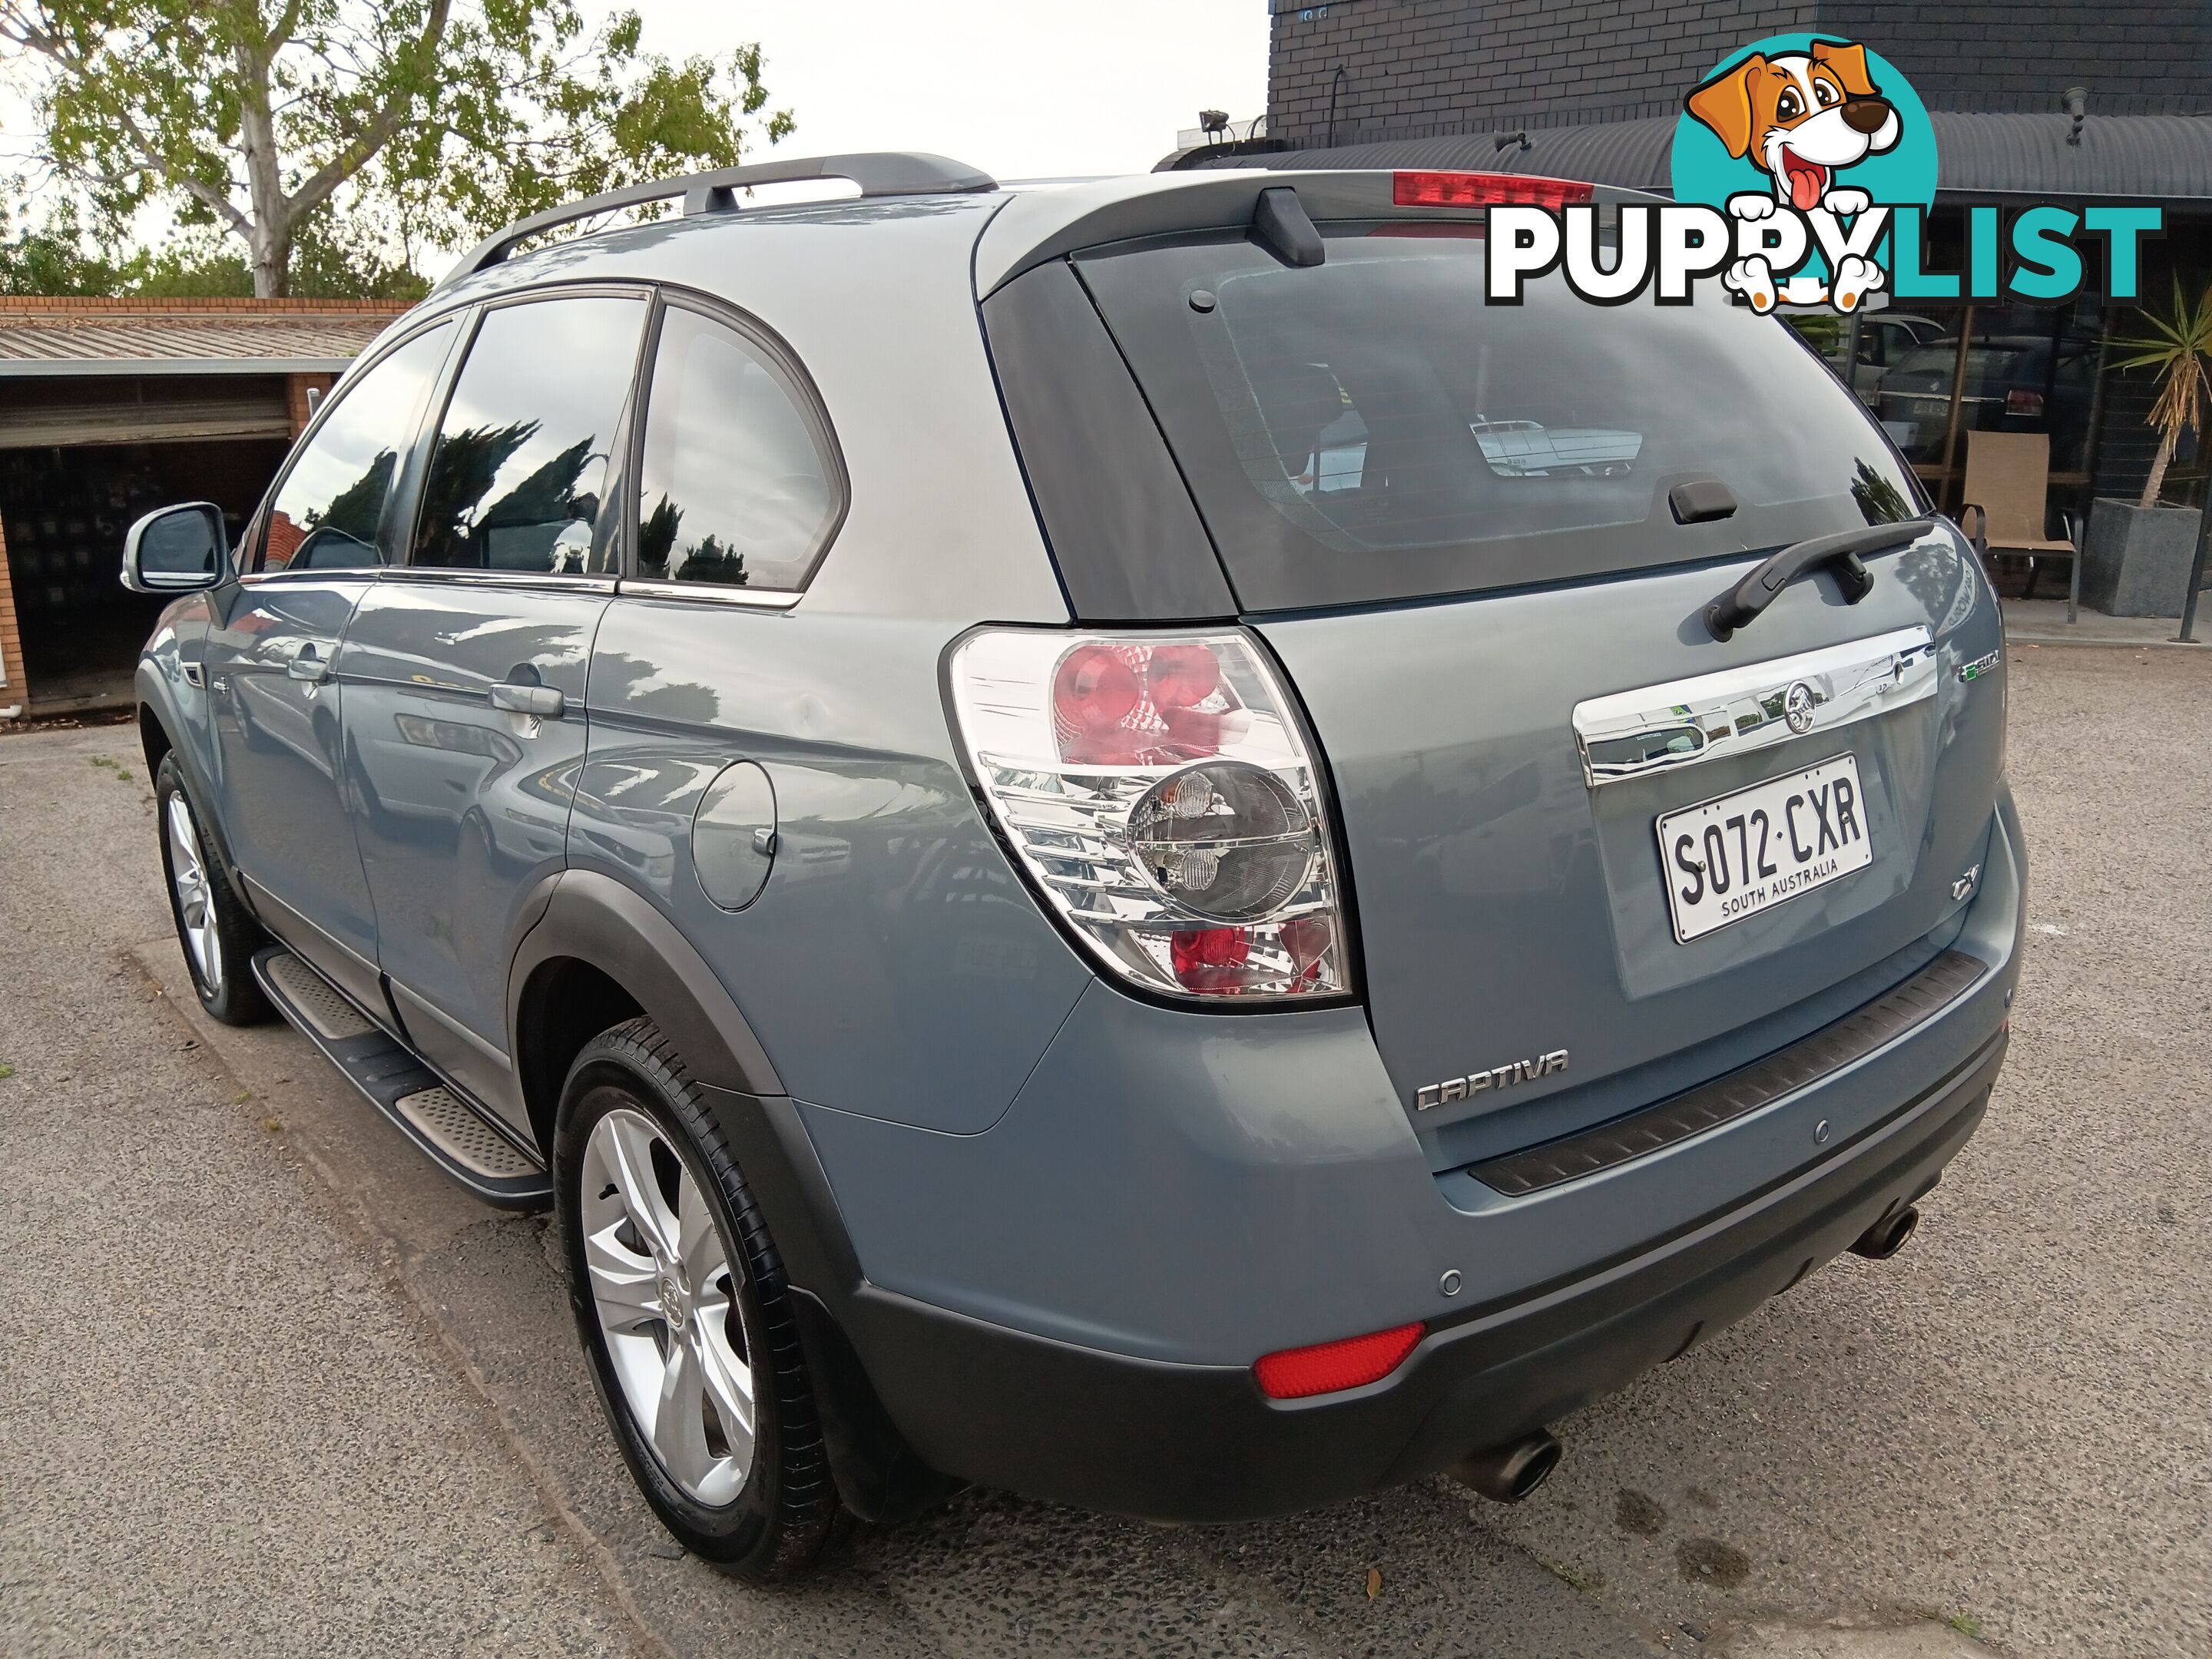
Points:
(1103, 838)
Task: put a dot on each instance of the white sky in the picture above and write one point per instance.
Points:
(1021, 89)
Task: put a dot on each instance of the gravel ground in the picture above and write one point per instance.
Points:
(300, 1391)
(2006, 1424)
(220, 1428)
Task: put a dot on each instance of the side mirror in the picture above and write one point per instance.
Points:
(176, 549)
(1974, 525)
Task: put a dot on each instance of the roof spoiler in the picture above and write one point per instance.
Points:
(877, 173)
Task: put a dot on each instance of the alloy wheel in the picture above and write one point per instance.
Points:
(195, 899)
(665, 1296)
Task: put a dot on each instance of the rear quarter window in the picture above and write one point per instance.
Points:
(1370, 429)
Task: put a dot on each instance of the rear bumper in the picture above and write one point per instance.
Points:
(1068, 1304)
(1201, 1442)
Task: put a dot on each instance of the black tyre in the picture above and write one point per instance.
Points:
(218, 936)
(679, 1299)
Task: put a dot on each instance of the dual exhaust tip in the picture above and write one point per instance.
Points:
(1508, 1474)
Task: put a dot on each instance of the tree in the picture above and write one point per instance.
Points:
(2178, 352)
(439, 119)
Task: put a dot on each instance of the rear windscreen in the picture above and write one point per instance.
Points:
(1370, 429)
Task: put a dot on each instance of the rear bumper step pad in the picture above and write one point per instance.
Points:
(1853, 1038)
(451, 1131)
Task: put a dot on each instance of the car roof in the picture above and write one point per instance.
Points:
(999, 231)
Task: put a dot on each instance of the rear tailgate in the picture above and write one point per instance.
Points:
(1509, 909)
(1453, 523)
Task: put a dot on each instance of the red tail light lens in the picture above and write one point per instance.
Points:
(1211, 958)
(1138, 705)
(1158, 793)
(1485, 190)
(1094, 690)
(1326, 1367)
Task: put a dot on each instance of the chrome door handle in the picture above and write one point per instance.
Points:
(541, 700)
(307, 666)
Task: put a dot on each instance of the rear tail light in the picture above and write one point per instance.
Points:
(1485, 190)
(1326, 1367)
(1160, 798)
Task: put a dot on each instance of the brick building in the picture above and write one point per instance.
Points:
(109, 408)
(1357, 72)
(1591, 89)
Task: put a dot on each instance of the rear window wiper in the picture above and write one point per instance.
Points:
(1743, 602)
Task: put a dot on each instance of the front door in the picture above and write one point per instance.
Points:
(464, 671)
(281, 780)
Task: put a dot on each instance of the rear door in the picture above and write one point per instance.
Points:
(282, 782)
(1453, 522)
(465, 671)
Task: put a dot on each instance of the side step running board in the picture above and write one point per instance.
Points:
(460, 1140)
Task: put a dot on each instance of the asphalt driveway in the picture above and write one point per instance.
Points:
(267, 1382)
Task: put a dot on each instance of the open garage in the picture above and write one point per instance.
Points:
(109, 408)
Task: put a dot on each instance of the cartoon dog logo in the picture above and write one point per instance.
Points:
(1803, 117)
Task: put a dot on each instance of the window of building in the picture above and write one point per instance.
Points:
(326, 513)
(738, 487)
(515, 480)
(1932, 374)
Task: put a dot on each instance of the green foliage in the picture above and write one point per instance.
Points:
(53, 259)
(2178, 352)
(315, 130)
(328, 263)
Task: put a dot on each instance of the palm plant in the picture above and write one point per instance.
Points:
(2179, 349)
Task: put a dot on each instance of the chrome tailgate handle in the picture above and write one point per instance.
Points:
(542, 702)
(1657, 729)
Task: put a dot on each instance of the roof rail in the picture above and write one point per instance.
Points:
(877, 173)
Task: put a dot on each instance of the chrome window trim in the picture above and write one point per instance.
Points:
(468, 576)
(1738, 711)
(366, 573)
(648, 587)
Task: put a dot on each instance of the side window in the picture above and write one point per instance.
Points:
(325, 515)
(521, 458)
(738, 487)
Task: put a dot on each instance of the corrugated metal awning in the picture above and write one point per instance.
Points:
(2158, 158)
(35, 345)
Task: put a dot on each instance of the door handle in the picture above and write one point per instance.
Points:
(306, 665)
(542, 702)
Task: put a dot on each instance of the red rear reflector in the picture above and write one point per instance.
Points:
(1329, 1366)
(1484, 190)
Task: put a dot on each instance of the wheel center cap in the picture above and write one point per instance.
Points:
(674, 1305)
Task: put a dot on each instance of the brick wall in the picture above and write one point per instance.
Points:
(41, 304)
(14, 692)
(1414, 68)
(295, 396)
(2136, 57)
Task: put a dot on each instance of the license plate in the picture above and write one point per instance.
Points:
(1748, 852)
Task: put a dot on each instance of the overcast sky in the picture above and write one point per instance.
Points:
(1021, 89)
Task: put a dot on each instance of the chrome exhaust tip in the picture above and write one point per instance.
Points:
(1508, 1474)
(1888, 1235)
